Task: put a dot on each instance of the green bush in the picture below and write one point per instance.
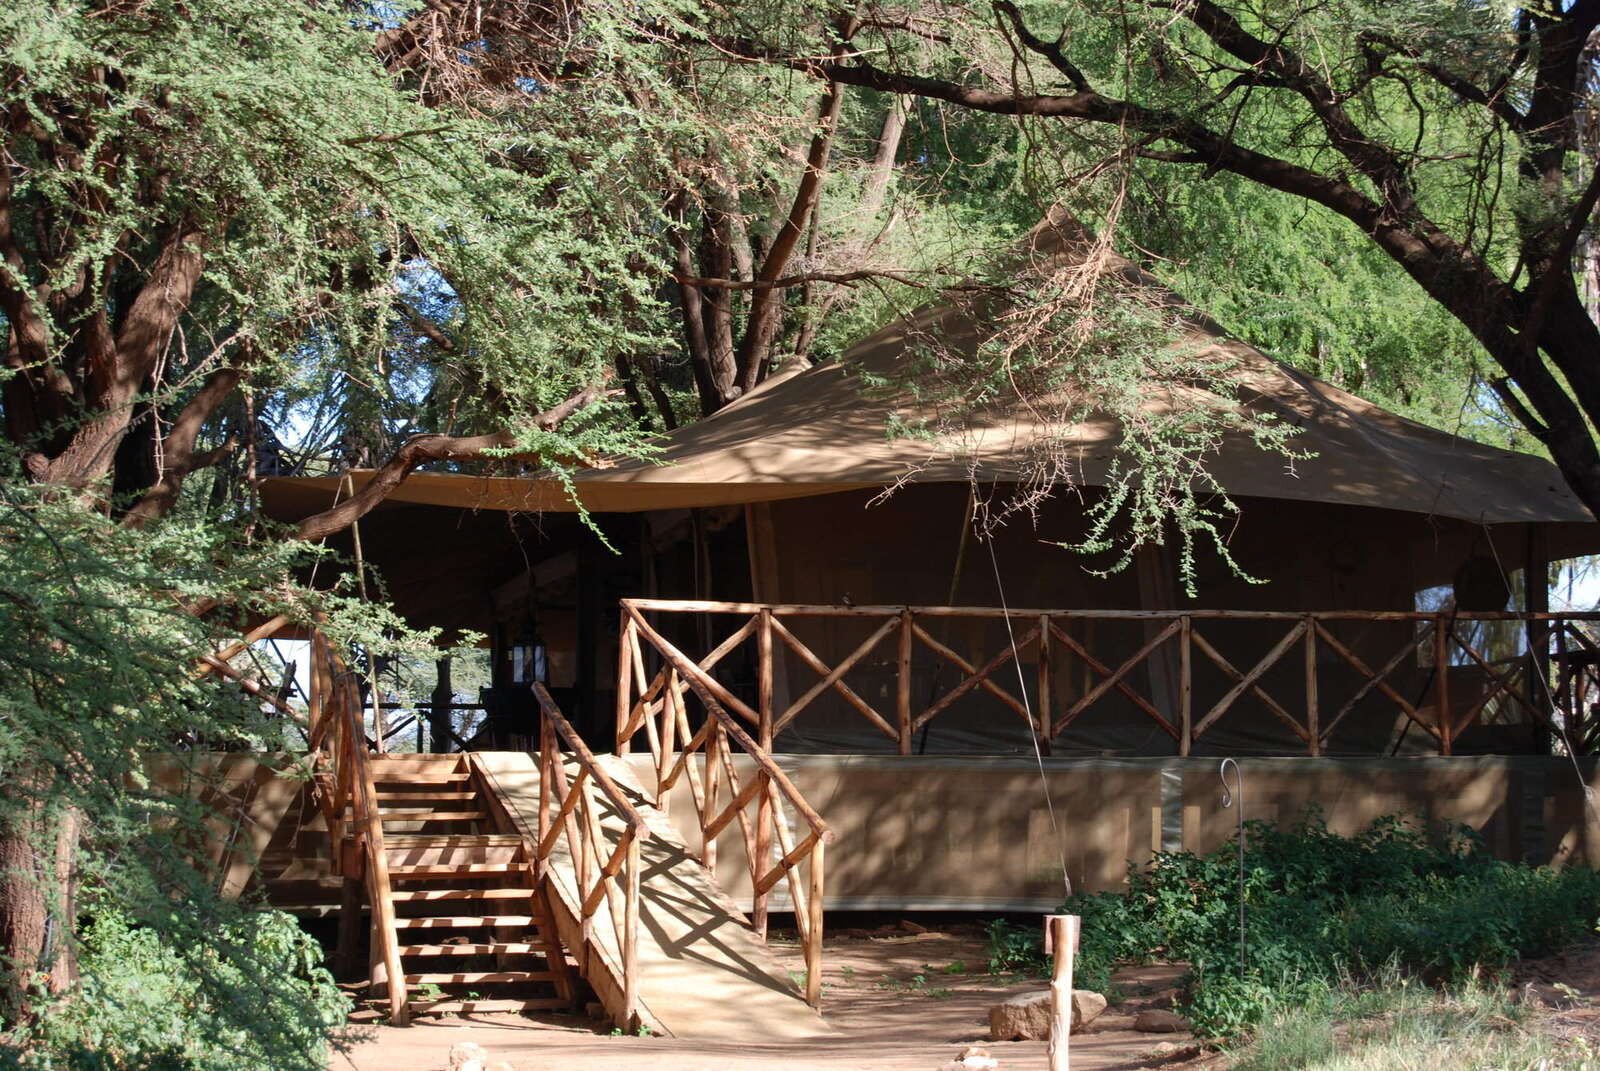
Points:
(251, 994)
(1321, 908)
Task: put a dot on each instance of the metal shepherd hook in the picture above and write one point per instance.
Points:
(1231, 795)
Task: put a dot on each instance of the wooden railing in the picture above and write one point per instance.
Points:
(659, 706)
(1331, 680)
(347, 797)
(568, 807)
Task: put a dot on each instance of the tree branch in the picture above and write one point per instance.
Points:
(843, 278)
(766, 303)
(419, 448)
(178, 448)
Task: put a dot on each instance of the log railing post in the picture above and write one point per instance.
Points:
(708, 842)
(814, 900)
(1441, 681)
(547, 759)
(763, 831)
(1185, 685)
(625, 641)
(1313, 722)
(602, 877)
(630, 938)
(902, 699)
(1042, 718)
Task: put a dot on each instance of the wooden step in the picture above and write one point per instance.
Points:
(459, 855)
(479, 977)
(450, 840)
(419, 777)
(464, 922)
(470, 950)
(424, 797)
(456, 1006)
(453, 870)
(411, 895)
(391, 815)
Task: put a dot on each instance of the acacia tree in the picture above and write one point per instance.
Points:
(1457, 139)
(204, 204)
(196, 205)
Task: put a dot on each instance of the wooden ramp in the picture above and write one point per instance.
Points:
(703, 973)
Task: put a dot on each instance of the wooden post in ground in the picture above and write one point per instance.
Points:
(813, 945)
(1061, 942)
(351, 898)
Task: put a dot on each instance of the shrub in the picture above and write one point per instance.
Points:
(1322, 907)
(145, 1005)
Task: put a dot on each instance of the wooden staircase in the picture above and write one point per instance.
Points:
(473, 930)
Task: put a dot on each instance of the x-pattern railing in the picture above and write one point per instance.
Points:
(572, 807)
(772, 853)
(1185, 639)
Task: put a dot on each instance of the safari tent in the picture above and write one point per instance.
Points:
(819, 582)
(798, 494)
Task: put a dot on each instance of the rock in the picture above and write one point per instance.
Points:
(1160, 1021)
(912, 927)
(468, 1056)
(984, 1062)
(1027, 1017)
(1022, 1018)
(595, 1010)
(1086, 1007)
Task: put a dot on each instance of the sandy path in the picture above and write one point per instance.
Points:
(898, 1003)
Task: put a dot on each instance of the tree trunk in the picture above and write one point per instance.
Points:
(37, 900)
(877, 183)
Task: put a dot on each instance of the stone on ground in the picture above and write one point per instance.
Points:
(468, 1056)
(972, 1058)
(1027, 1017)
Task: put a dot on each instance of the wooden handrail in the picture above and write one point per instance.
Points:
(702, 606)
(344, 781)
(767, 790)
(589, 764)
(575, 817)
(698, 679)
(1444, 638)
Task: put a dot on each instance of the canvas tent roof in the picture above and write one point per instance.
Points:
(813, 432)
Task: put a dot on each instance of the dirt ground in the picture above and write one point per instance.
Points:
(901, 1002)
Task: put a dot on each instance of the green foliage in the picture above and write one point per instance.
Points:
(334, 201)
(1012, 948)
(151, 1005)
(103, 726)
(1320, 908)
